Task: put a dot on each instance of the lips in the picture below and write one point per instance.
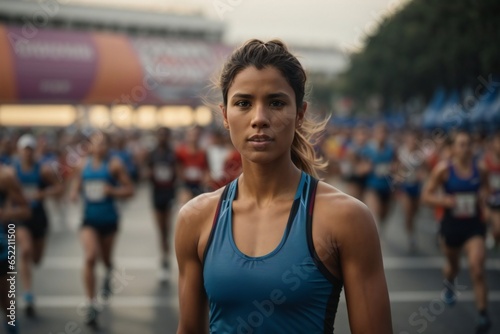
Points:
(260, 138)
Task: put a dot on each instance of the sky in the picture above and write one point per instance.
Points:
(339, 23)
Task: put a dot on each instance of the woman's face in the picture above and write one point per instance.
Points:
(100, 145)
(261, 114)
(462, 146)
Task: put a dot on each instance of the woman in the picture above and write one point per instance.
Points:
(13, 206)
(162, 172)
(462, 227)
(38, 182)
(354, 168)
(382, 157)
(102, 179)
(411, 173)
(270, 252)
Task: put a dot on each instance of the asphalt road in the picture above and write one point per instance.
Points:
(141, 305)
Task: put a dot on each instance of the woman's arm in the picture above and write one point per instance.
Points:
(125, 188)
(434, 183)
(193, 308)
(362, 270)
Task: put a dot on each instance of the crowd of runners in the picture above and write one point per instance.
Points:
(457, 173)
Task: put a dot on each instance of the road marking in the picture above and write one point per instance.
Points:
(78, 302)
(152, 263)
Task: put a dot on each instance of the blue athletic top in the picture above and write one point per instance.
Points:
(381, 159)
(286, 291)
(465, 191)
(98, 208)
(31, 181)
(6, 159)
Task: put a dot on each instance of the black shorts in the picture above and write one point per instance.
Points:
(38, 224)
(456, 232)
(103, 229)
(356, 179)
(163, 198)
(384, 195)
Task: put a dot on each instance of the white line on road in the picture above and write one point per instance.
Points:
(152, 263)
(151, 301)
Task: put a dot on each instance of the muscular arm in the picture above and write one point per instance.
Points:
(433, 184)
(125, 188)
(362, 270)
(193, 308)
(55, 187)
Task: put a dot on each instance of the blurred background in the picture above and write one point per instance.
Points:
(127, 68)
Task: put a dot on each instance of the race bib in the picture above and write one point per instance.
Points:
(382, 170)
(94, 190)
(193, 173)
(495, 182)
(29, 191)
(465, 205)
(163, 173)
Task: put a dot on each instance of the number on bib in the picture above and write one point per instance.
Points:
(94, 190)
(465, 205)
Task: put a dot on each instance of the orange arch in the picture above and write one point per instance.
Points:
(118, 74)
(8, 91)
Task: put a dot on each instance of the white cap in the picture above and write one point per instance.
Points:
(26, 140)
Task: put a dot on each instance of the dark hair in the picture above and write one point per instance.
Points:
(255, 53)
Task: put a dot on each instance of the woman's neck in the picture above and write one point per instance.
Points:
(267, 182)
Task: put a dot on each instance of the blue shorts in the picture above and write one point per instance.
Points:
(413, 190)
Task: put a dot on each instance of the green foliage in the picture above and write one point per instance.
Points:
(425, 45)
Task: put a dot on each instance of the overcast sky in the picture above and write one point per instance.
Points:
(342, 23)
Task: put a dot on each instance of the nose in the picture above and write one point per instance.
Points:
(260, 117)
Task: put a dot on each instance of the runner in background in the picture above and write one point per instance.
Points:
(13, 207)
(7, 149)
(193, 165)
(122, 151)
(162, 172)
(491, 162)
(354, 167)
(102, 179)
(410, 174)
(38, 182)
(462, 227)
(382, 157)
(218, 153)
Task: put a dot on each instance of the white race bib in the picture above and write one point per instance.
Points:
(382, 170)
(465, 205)
(94, 190)
(162, 173)
(29, 191)
(193, 173)
(495, 182)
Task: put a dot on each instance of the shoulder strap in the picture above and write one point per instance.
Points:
(216, 219)
(310, 244)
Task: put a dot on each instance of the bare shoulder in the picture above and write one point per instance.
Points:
(341, 213)
(194, 221)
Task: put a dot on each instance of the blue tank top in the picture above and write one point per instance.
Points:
(286, 291)
(465, 191)
(381, 159)
(31, 181)
(98, 208)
